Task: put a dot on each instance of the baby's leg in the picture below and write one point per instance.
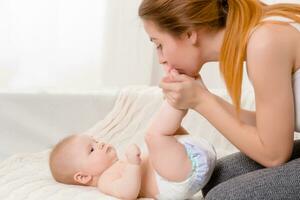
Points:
(168, 157)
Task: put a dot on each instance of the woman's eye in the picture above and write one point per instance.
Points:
(158, 46)
(92, 149)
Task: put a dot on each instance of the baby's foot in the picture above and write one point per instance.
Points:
(170, 76)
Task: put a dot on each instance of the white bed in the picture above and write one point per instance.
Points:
(31, 123)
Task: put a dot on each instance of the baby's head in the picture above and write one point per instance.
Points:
(80, 160)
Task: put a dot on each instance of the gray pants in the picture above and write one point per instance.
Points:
(238, 177)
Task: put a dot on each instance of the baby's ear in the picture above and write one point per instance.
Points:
(82, 178)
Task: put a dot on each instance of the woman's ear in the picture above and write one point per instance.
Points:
(82, 178)
(192, 37)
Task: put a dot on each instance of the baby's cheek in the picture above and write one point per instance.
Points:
(95, 160)
(96, 166)
(103, 162)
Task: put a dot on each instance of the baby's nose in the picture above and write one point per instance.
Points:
(100, 145)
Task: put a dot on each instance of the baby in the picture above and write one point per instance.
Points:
(174, 168)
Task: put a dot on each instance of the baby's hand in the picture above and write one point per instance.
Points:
(133, 154)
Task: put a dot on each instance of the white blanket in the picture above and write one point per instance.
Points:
(27, 176)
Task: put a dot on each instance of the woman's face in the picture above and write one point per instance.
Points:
(182, 54)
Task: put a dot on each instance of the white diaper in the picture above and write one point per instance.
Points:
(203, 157)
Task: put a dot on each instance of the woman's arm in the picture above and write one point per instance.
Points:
(270, 140)
(246, 116)
(270, 57)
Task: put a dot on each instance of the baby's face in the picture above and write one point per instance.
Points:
(91, 156)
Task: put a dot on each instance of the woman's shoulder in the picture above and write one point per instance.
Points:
(271, 48)
(268, 35)
(272, 42)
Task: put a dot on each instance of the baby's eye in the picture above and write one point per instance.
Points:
(92, 149)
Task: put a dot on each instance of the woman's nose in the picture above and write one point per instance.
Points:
(161, 59)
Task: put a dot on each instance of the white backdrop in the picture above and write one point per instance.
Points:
(72, 45)
(79, 45)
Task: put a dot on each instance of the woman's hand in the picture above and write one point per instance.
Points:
(182, 91)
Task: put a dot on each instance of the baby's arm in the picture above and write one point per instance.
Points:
(128, 186)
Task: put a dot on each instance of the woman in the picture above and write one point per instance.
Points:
(189, 33)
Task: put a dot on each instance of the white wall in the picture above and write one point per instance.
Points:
(45, 43)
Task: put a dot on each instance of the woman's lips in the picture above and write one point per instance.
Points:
(180, 71)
